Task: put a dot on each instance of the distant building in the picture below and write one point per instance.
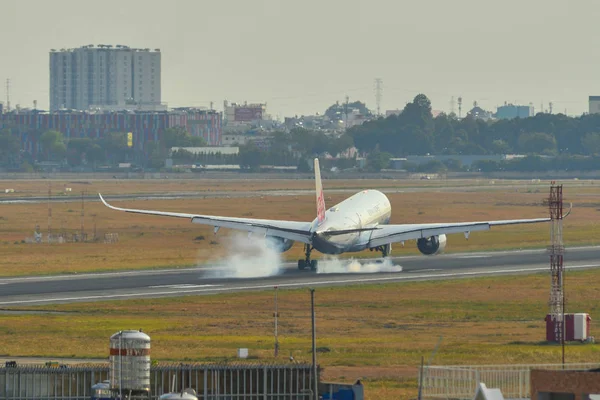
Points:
(145, 126)
(209, 150)
(244, 113)
(103, 75)
(511, 111)
(353, 118)
(1, 108)
(594, 104)
(392, 112)
(479, 113)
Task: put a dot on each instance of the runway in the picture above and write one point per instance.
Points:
(41, 290)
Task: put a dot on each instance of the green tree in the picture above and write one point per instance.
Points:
(53, 145)
(418, 113)
(250, 156)
(537, 143)
(500, 146)
(178, 136)
(9, 148)
(155, 157)
(115, 147)
(378, 160)
(77, 149)
(591, 143)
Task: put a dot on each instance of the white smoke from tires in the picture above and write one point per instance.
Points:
(247, 257)
(333, 265)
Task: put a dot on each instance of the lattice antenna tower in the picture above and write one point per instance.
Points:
(556, 250)
(49, 209)
(378, 94)
(346, 110)
(82, 213)
(8, 95)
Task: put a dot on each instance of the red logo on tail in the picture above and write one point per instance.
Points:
(320, 208)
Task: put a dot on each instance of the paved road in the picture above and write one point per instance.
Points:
(206, 280)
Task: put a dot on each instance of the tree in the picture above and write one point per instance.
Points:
(250, 156)
(9, 148)
(77, 149)
(537, 143)
(115, 147)
(418, 113)
(53, 145)
(500, 146)
(155, 158)
(178, 136)
(591, 143)
(378, 160)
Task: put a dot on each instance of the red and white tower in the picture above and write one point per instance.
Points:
(556, 250)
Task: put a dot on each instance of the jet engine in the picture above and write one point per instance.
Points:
(432, 245)
(279, 244)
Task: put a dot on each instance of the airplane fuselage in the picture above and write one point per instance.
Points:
(365, 209)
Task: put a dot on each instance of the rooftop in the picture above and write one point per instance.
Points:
(103, 47)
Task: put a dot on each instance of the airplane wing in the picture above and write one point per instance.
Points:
(292, 230)
(387, 234)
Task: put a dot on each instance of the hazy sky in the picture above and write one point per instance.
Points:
(302, 56)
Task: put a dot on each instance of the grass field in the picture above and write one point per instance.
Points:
(39, 188)
(154, 242)
(374, 332)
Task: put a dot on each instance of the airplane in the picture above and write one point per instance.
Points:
(358, 223)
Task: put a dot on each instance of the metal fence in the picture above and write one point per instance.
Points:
(461, 381)
(211, 382)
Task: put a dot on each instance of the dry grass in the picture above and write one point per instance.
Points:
(375, 332)
(39, 188)
(153, 242)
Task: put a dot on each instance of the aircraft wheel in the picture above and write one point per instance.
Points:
(301, 264)
(313, 265)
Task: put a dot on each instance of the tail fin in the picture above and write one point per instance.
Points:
(320, 198)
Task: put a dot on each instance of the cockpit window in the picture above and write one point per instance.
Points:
(333, 209)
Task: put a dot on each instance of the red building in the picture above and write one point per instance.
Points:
(145, 126)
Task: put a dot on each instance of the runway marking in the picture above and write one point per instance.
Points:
(399, 277)
(182, 286)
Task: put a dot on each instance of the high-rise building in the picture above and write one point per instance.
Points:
(594, 103)
(103, 75)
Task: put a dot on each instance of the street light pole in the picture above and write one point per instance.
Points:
(314, 346)
(276, 316)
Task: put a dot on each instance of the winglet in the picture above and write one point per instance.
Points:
(319, 190)
(569, 212)
(105, 203)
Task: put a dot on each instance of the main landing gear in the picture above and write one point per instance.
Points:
(385, 250)
(307, 262)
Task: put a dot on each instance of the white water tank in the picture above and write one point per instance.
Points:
(130, 361)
